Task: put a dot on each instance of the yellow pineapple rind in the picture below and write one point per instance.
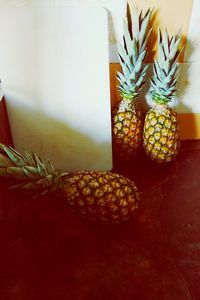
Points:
(161, 134)
(113, 198)
(127, 133)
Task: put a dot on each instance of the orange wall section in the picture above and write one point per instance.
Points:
(115, 97)
(189, 126)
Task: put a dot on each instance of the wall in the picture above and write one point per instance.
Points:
(173, 15)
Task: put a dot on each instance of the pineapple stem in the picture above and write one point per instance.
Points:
(157, 99)
(128, 97)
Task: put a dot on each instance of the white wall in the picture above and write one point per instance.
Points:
(189, 94)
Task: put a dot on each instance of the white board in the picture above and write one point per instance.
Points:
(54, 68)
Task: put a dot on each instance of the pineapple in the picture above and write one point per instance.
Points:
(103, 196)
(161, 129)
(127, 121)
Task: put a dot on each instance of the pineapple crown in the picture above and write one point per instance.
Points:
(29, 171)
(166, 69)
(132, 54)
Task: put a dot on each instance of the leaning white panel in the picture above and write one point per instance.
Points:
(54, 68)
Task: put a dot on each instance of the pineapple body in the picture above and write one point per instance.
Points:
(161, 134)
(102, 196)
(127, 127)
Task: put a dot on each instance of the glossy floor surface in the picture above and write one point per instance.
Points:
(47, 252)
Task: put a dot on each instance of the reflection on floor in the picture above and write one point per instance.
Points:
(47, 252)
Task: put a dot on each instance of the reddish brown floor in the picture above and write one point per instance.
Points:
(47, 252)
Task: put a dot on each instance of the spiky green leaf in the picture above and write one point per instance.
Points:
(142, 37)
(29, 158)
(132, 54)
(13, 155)
(140, 62)
(135, 22)
(174, 51)
(50, 167)
(31, 172)
(127, 38)
(166, 68)
(40, 166)
(17, 172)
(4, 161)
(121, 77)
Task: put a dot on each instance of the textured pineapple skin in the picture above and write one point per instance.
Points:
(161, 134)
(127, 129)
(101, 196)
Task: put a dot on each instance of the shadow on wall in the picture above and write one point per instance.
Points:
(67, 148)
(188, 120)
(184, 79)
